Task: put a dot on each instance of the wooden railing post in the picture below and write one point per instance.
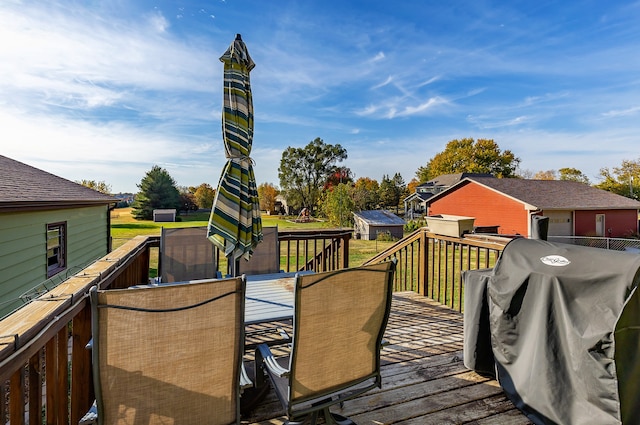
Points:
(16, 399)
(423, 263)
(345, 251)
(35, 389)
(81, 378)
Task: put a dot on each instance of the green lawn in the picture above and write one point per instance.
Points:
(125, 227)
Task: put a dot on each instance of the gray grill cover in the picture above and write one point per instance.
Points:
(565, 325)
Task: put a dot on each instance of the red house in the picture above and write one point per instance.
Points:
(574, 209)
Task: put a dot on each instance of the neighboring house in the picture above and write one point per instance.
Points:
(415, 204)
(368, 224)
(574, 209)
(281, 206)
(49, 228)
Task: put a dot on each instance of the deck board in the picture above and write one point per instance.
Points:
(423, 378)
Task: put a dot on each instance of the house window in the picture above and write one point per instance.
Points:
(56, 248)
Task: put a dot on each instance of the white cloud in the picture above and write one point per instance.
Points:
(397, 107)
(429, 81)
(158, 21)
(378, 57)
(386, 82)
(84, 150)
(622, 112)
(485, 122)
(80, 52)
(421, 108)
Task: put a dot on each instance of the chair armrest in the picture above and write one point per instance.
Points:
(91, 417)
(270, 362)
(245, 381)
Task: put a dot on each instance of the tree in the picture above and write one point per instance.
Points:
(623, 180)
(366, 194)
(304, 171)
(187, 200)
(525, 174)
(469, 156)
(573, 174)
(157, 190)
(340, 175)
(545, 175)
(400, 187)
(411, 186)
(204, 195)
(338, 206)
(391, 190)
(100, 186)
(267, 193)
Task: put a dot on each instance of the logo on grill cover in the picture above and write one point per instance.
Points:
(555, 260)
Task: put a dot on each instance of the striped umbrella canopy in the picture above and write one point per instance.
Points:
(235, 225)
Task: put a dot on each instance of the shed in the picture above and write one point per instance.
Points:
(369, 224)
(167, 215)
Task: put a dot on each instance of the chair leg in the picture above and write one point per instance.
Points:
(335, 419)
(310, 419)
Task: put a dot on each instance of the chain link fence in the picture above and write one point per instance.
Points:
(618, 244)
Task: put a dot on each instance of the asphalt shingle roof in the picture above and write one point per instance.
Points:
(23, 185)
(447, 180)
(558, 194)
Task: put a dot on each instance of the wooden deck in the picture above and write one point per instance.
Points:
(424, 379)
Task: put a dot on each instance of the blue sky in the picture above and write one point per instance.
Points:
(104, 90)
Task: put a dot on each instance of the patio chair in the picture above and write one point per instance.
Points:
(169, 354)
(339, 320)
(186, 254)
(266, 256)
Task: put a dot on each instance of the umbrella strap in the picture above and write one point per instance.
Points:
(241, 158)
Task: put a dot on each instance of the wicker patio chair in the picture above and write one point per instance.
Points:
(339, 320)
(169, 354)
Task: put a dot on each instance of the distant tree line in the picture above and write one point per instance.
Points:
(311, 177)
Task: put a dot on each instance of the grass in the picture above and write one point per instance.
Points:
(124, 227)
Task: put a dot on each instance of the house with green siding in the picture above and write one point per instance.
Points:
(50, 228)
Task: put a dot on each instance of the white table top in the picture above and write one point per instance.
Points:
(269, 297)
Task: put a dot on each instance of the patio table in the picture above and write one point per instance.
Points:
(269, 297)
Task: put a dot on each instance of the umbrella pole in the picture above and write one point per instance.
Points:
(233, 266)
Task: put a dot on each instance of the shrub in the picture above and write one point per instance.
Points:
(412, 225)
(385, 237)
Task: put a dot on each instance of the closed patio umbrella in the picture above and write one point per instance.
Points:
(235, 225)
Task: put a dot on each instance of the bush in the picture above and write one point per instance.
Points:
(413, 225)
(385, 237)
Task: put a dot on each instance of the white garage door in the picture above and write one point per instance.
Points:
(560, 223)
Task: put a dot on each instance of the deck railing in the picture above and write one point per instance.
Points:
(317, 249)
(45, 370)
(431, 264)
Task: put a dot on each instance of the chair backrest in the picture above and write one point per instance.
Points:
(266, 256)
(340, 318)
(169, 354)
(186, 254)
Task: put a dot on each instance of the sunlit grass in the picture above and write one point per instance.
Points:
(124, 227)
